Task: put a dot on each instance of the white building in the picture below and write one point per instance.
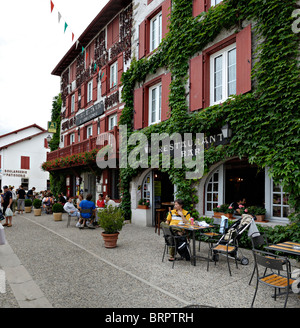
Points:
(22, 153)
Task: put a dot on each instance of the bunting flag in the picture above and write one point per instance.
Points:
(52, 5)
(66, 25)
(72, 36)
(59, 17)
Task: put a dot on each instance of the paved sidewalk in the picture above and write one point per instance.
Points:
(47, 264)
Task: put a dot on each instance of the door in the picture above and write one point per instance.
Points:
(214, 190)
(147, 193)
(92, 186)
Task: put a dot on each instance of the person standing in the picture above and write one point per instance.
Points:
(14, 197)
(7, 202)
(21, 193)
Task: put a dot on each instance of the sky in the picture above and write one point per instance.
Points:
(32, 43)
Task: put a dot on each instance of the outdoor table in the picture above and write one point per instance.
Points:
(193, 228)
(285, 247)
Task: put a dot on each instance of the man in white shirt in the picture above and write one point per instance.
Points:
(70, 208)
(109, 201)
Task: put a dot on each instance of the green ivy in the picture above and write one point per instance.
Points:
(265, 122)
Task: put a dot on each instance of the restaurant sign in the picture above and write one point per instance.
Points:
(90, 113)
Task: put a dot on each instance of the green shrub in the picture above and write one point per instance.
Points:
(28, 202)
(111, 219)
(37, 203)
(57, 208)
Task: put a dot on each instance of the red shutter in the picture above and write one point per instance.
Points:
(142, 39)
(109, 35)
(76, 100)
(196, 83)
(120, 67)
(25, 163)
(138, 108)
(116, 29)
(95, 128)
(198, 7)
(102, 125)
(166, 10)
(165, 91)
(243, 60)
(95, 88)
(45, 145)
(83, 95)
(104, 80)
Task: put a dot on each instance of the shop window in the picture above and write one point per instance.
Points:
(222, 75)
(212, 194)
(280, 206)
(25, 183)
(155, 104)
(72, 138)
(89, 131)
(155, 31)
(25, 163)
(112, 121)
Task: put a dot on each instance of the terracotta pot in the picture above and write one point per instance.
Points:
(57, 216)
(27, 209)
(260, 218)
(110, 240)
(219, 214)
(37, 211)
(143, 207)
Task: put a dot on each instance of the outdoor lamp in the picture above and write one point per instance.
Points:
(226, 131)
(49, 138)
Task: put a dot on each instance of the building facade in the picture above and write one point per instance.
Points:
(193, 72)
(22, 152)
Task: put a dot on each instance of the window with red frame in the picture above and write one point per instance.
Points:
(25, 163)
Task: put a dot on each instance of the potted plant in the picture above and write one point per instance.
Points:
(57, 210)
(259, 212)
(37, 204)
(143, 204)
(223, 209)
(28, 205)
(111, 220)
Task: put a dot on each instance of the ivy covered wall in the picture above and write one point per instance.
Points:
(265, 122)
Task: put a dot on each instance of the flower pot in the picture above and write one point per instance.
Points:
(37, 211)
(143, 207)
(57, 216)
(110, 240)
(219, 215)
(260, 218)
(27, 209)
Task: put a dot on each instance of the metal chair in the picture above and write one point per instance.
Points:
(89, 211)
(273, 262)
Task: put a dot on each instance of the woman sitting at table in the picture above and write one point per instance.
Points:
(177, 216)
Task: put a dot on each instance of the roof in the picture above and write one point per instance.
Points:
(21, 140)
(27, 127)
(111, 9)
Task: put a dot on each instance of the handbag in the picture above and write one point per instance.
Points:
(8, 212)
(2, 235)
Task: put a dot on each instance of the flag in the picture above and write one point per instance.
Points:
(82, 50)
(52, 5)
(66, 25)
(59, 17)
(77, 42)
(72, 36)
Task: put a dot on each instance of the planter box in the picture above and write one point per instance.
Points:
(27, 209)
(57, 216)
(219, 214)
(110, 240)
(143, 207)
(37, 211)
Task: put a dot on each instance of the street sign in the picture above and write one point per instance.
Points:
(52, 127)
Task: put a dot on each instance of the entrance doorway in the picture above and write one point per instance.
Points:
(244, 180)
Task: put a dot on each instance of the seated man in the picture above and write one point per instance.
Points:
(109, 201)
(176, 216)
(71, 209)
(87, 211)
(47, 203)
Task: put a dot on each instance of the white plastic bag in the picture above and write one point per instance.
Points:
(8, 212)
(2, 235)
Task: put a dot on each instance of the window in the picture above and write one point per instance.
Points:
(215, 2)
(155, 104)
(155, 31)
(89, 131)
(280, 206)
(112, 121)
(72, 138)
(223, 75)
(90, 91)
(73, 103)
(113, 75)
(25, 163)
(25, 183)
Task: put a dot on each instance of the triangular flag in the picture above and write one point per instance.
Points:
(82, 50)
(66, 25)
(72, 36)
(52, 5)
(86, 56)
(59, 17)
(77, 43)
(95, 66)
(98, 69)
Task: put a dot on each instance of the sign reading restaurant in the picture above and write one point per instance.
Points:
(90, 113)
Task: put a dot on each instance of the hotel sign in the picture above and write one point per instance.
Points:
(90, 113)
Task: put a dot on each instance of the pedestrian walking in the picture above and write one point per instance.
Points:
(7, 201)
(14, 197)
(21, 193)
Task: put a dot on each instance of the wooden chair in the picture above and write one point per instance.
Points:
(159, 215)
(273, 262)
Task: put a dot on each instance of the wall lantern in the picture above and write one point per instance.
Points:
(49, 138)
(226, 131)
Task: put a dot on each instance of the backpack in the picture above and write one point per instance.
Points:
(183, 249)
(47, 201)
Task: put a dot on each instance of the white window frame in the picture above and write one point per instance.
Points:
(155, 31)
(215, 2)
(112, 121)
(90, 91)
(224, 53)
(89, 131)
(113, 75)
(217, 188)
(155, 93)
(72, 138)
(73, 103)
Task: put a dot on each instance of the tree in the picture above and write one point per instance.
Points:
(55, 117)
